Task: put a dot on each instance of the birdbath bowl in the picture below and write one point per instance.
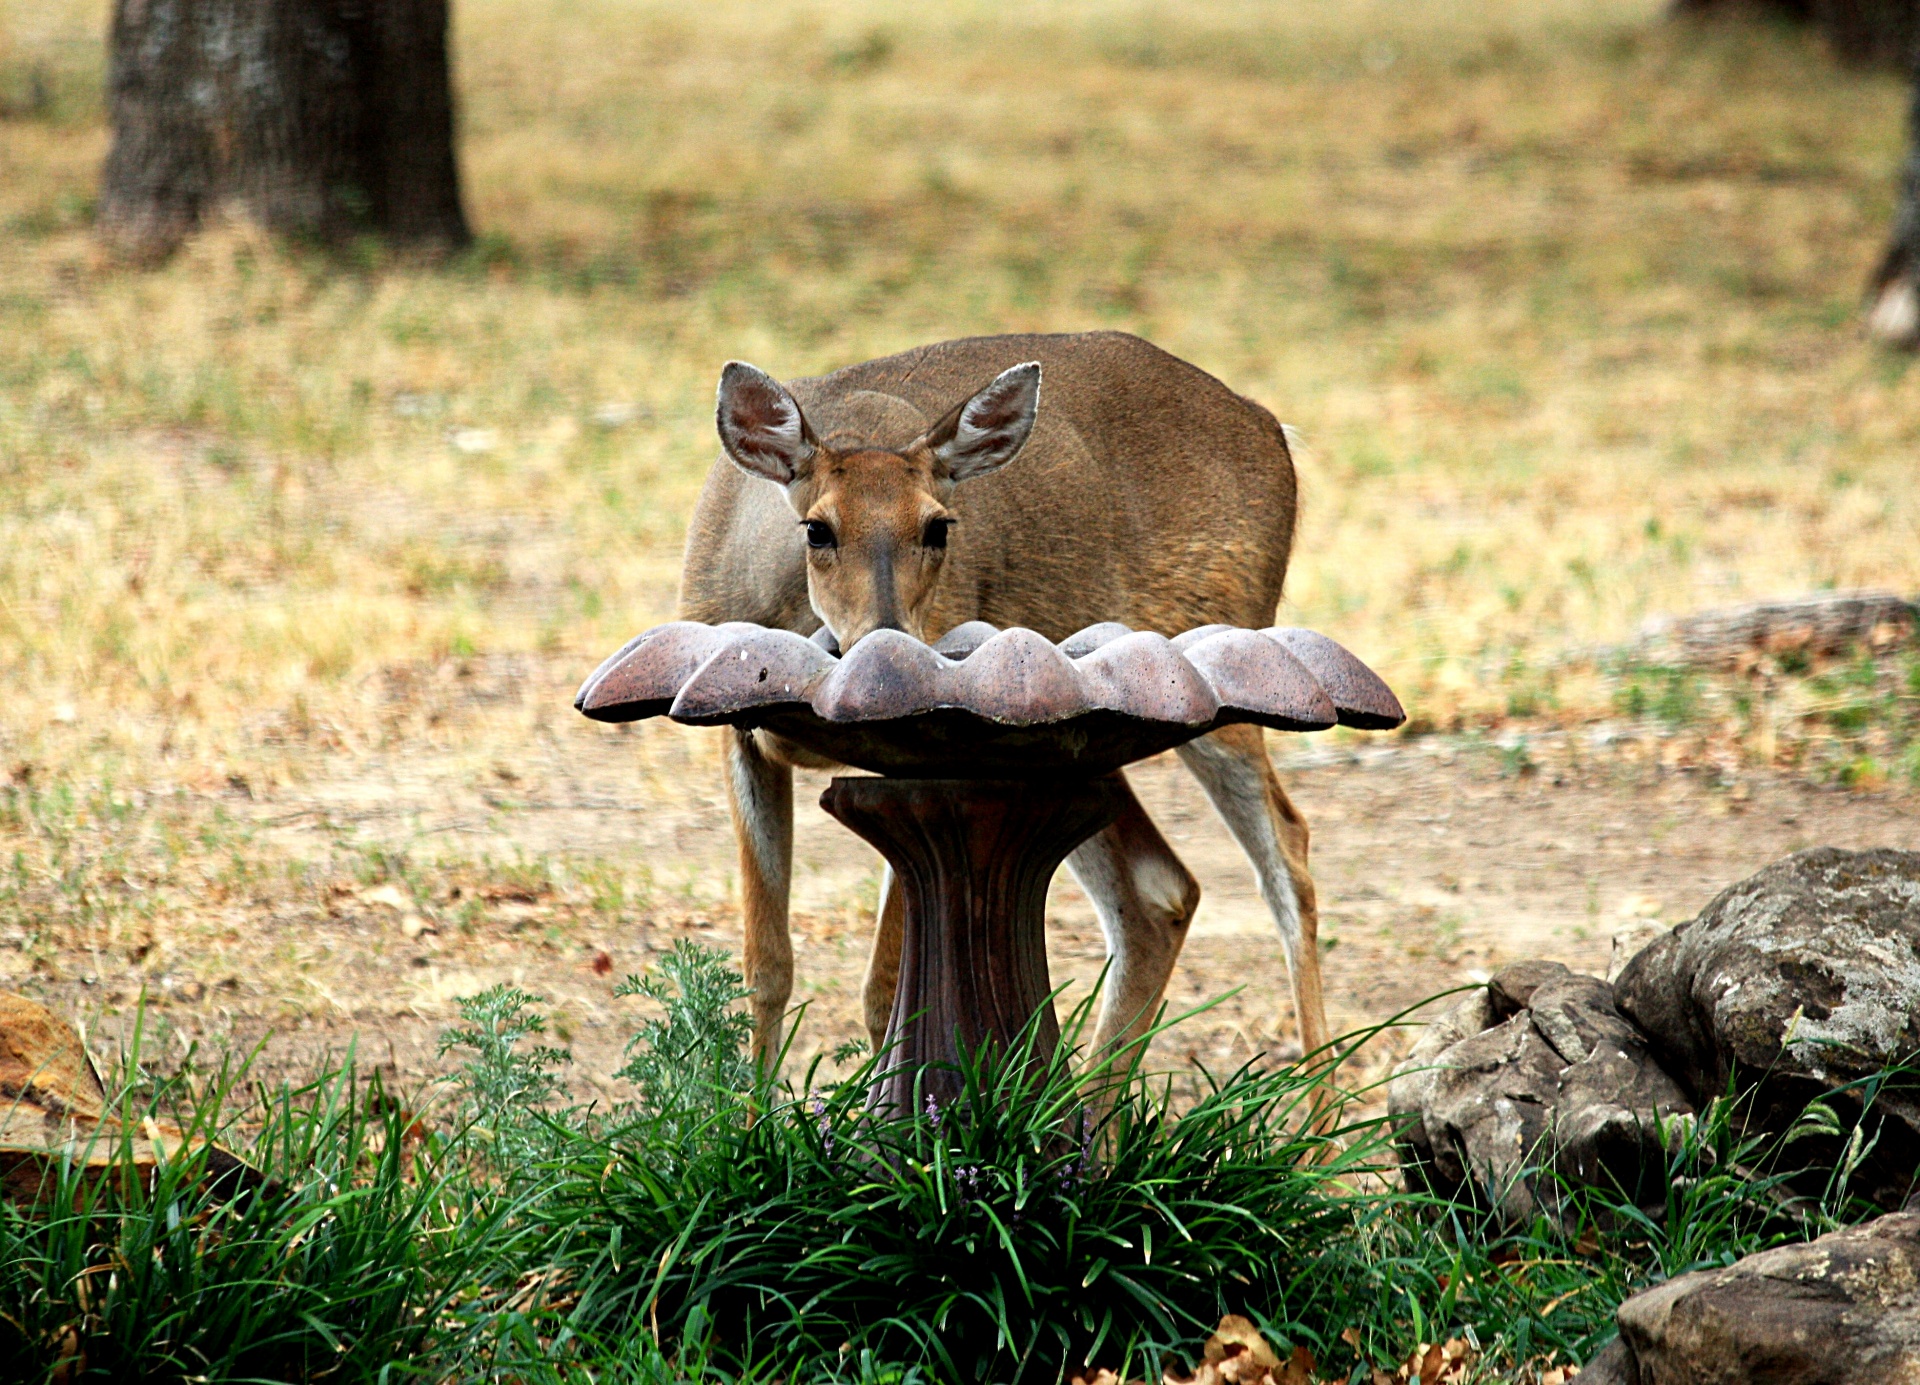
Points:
(997, 753)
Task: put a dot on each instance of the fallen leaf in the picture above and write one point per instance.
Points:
(1442, 1363)
(1236, 1335)
(53, 1108)
(1299, 1369)
(603, 966)
(1207, 1374)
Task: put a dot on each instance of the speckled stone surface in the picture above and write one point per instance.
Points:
(1804, 978)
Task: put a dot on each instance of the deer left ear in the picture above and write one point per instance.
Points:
(987, 431)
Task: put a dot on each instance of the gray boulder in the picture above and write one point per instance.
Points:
(1536, 1073)
(1840, 1310)
(1804, 980)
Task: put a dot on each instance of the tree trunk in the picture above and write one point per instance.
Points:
(317, 118)
(1861, 31)
(1893, 297)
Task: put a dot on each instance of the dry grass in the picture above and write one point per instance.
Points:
(1563, 295)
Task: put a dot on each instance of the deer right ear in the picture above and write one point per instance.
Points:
(761, 425)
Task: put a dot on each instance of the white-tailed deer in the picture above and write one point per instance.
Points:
(888, 495)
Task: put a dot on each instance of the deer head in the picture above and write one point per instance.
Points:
(876, 521)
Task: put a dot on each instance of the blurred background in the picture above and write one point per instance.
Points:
(307, 532)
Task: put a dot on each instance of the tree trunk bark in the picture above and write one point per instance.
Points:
(318, 118)
(1861, 31)
(1893, 296)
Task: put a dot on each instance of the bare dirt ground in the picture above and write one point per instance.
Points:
(1438, 859)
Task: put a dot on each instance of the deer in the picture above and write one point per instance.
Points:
(938, 486)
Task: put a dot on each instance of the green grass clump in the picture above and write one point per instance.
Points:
(998, 1237)
(725, 1228)
(352, 1254)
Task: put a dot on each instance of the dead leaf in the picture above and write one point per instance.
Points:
(53, 1107)
(603, 966)
(1207, 1374)
(1443, 1363)
(1299, 1369)
(388, 896)
(1236, 1335)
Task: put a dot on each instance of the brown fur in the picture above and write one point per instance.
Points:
(1147, 493)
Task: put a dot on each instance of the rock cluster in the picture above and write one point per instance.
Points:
(1798, 986)
(1537, 1071)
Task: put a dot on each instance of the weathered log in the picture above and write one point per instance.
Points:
(1817, 626)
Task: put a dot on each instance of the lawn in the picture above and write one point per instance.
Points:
(1563, 298)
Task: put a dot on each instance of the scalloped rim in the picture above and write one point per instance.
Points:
(1285, 678)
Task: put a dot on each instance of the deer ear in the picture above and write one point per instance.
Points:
(988, 431)
(761, 425)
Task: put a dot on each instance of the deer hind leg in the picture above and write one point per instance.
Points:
(1144, 898)
(883, 963)
(1232, 766)
(760, 794)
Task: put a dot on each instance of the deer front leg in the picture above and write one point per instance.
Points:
(760, 794)
(1232, 766)
(883, 963)
(1144, 898)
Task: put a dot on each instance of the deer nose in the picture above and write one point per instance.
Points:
(886, 596)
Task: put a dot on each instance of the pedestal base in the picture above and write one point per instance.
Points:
(973, 858)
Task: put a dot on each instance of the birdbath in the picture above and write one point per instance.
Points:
(997, 754)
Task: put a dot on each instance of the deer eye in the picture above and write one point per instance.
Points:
(820, 534)
(936, 533)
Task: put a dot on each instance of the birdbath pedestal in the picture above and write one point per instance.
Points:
(997, 753)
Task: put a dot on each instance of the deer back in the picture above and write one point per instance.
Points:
(1148, 493)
